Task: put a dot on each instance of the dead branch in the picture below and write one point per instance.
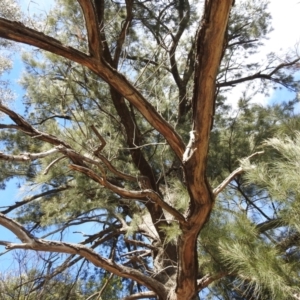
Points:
(32, 243)
(222, 185)
(102, 140)
(32, 198)
(208, 279)
(142, 295)
(26, 156)
(230, 177)
(52, 164)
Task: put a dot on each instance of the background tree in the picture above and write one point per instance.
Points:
(31, 278)
(10, 10)
(128, 128)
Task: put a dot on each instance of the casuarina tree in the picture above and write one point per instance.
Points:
(128, 139)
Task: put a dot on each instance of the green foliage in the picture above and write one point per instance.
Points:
(172, 232)
(252, 237)
(280, 176)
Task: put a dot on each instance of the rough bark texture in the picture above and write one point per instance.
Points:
(209, 44)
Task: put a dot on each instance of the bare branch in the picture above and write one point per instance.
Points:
(259, 75)
(142, 295)
(208, 279)
(24, 235)
(24, 126)
(16, 31)
(11, 126)
(222, 185)
(53, 117)
(30, 242)
(236, 172)
(32, 198)
(102, 140)
(52, 164)
(26, 156)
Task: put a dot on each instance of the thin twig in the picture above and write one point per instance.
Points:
(52, 164)
(236, 172)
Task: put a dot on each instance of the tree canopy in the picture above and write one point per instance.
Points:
(129, 140)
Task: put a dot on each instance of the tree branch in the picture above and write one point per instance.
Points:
(142, 195)
(54, 116)
(23, 235)
(270, 224)
(52, 164)
(27, 156)
(230, 177)
(209, 51)
(91, 23)
(222, 185)
(182, 26)
(208, 279)
(32, 243)
(18, 32)
(32, 198)
(99, 294)
(259, 75)
(100, 7)
(102, 140)
(142, 295)
(122, 35)
(114, 170)
(24, 126)
(10, 126)
(146, 61)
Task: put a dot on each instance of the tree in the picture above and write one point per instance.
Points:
(27, 280)
(128, 127)
(10, 10)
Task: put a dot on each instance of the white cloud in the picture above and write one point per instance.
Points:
(283, 39)
(286, 24)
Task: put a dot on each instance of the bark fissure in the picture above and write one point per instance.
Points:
(209, 51)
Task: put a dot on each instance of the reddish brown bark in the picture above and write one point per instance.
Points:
(209, 49)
